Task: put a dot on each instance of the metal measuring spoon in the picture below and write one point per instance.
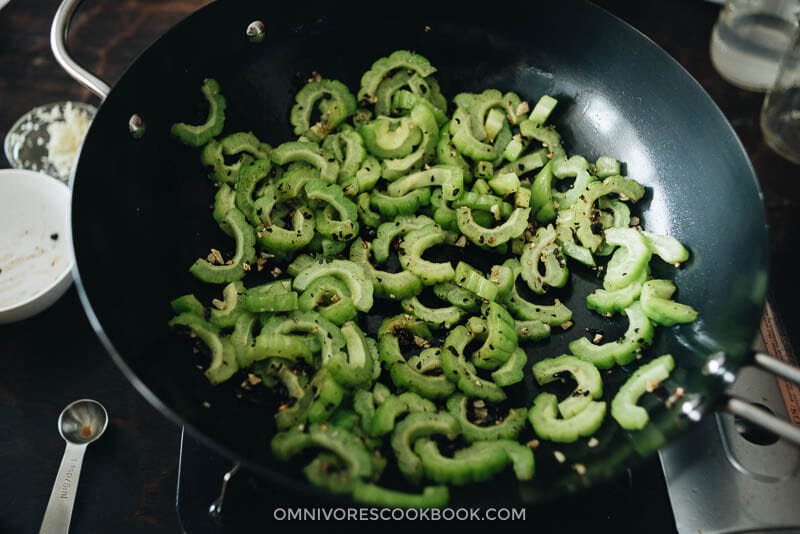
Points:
(80, 423)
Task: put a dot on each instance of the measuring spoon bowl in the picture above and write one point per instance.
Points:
(83, 421)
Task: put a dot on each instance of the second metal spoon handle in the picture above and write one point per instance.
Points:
(59, 507)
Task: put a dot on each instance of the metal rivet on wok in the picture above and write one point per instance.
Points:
(256, 31)
(716, 366)
(691, 408)
(136, 126)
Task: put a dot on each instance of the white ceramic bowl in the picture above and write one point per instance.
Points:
(35, 252)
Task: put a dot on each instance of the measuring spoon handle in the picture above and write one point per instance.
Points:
(59, 507)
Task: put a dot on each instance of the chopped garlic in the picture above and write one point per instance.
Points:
(66, 137)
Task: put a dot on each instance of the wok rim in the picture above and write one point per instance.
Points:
(707, 408)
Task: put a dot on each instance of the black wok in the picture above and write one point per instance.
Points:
(141, 215)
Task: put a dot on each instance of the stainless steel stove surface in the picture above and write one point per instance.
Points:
(726, 476)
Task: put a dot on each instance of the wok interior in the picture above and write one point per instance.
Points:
(141, 211)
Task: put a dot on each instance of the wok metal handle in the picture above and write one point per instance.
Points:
(58, 42)
(759, 417)
(777, 367)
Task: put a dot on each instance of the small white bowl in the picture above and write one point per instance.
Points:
(35, 251)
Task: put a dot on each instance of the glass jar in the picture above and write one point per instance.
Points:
(749, 39)
(780, 113)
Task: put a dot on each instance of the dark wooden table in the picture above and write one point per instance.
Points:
(129, 477)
